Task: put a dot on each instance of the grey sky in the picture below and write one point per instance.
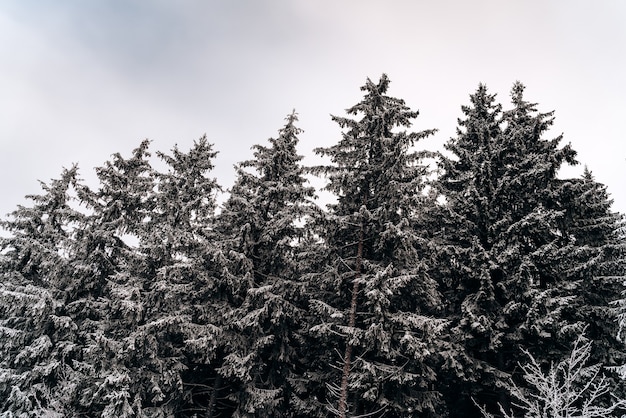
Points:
(81, 80)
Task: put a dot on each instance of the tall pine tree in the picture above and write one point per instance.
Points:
(263, 222)
(504, 247)
(38, 343)
(375, 300)
(596, 261)
(103, 297)
(186, 296)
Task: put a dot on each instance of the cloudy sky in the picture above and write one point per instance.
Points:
(80, 80)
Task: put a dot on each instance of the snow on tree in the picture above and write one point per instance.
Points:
(568, 389)
(103, 295)
(263, 222)
(117, 212)
(597, 257)
(184, 294)
(38, 343)
(503, 242)
(374, 299)
(408, 297)
(577, 270)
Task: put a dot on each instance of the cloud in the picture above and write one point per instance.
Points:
(81, 80)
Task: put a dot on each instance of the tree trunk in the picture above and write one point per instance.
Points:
(214, 393)
(343, 398)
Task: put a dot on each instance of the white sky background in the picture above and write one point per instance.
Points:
(80, 80)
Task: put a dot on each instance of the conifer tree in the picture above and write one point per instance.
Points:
(374, 291)
(590, 222)
(510, 283)
(38, 345)
(577, 270)
(463, 267)
(596, 261)
(263, 223)
(183, 288)
(103, 296)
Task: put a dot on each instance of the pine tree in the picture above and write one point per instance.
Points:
(183, 286)
(263, 223)
(577, 270)
(511, 280)
(538, 244)
(461, 243)
(103, 295)
(38, 375)
(590, 223)
(374, 292)
(596, 262)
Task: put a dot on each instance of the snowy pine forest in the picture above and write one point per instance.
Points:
(471, 282)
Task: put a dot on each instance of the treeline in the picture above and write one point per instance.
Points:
(421, 291)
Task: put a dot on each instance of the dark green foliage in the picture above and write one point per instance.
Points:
(41, 235)
(39, 372)
(186, 297)
(500, 233)
(413, 294)
(516, 279)
(596, 259)
(375, 297)
(104, 295)
(263, 222)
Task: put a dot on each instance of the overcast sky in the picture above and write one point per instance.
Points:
(80, 80)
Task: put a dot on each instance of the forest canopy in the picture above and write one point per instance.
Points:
(435, 284)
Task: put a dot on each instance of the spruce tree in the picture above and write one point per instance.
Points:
(577, 270)
(463, 268)
(596, 262)
(590, 222)
(185, 293)
(263, 224)
(505, 249)
(38, 343)
(103, 296)
(375, 300)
